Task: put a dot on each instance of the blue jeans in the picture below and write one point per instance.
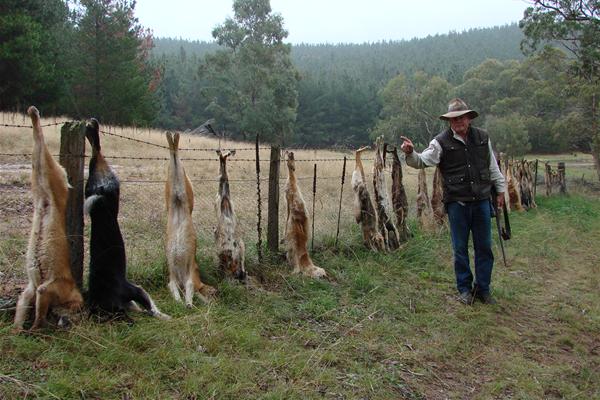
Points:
(465, 218)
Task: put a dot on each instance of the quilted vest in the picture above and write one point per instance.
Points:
(465, 166)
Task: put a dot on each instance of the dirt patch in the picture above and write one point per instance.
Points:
(10, 287)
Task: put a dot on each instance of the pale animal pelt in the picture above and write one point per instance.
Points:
(181, 234)
(364, 211)
(399, 199)
(386, 225)
(230, 246)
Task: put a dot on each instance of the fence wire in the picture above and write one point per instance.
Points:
(143, 212)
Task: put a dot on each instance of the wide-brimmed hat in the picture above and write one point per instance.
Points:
(456, 108)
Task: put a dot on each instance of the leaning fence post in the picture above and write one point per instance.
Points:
(562, 180)
(314, 193)
(259, 205)
(337, 233)
(273, 211)
(548, 179)
(535, 179)
(72, 158)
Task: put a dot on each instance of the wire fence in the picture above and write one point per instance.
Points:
(142, 207)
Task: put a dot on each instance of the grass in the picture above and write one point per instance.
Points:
(383, 326)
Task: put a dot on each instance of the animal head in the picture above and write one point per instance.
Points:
(70, 310)
(377, 241)
(233, 266)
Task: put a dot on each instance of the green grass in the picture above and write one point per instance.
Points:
(383, 326)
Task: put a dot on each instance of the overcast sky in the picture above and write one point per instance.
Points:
(335, 21)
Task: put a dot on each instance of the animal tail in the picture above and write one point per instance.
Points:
(92, 130)
(34, 114)
(173, 139)
(141, 297)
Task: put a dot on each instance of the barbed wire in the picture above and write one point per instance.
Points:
(30, 126)
(207, 149)
(182, 159)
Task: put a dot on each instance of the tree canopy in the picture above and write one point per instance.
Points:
(253, 82)
(576, 26)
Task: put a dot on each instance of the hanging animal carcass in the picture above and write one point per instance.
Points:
(364, 212)
(230, 246)
(399, 199)
(514, 194)
(424, 211)
(296, 226)
(386, 225)
(181, 235)
(51, 285)
(109, 289)
(525, 178)
(437, 198)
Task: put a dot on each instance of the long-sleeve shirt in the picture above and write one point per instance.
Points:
(430, 157)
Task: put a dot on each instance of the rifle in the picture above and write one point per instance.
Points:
(504, 232)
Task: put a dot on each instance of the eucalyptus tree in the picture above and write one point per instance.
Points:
(411, 106)
(252, 83)
(576, 26)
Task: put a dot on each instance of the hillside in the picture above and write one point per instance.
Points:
(448, 55)
(338, 91)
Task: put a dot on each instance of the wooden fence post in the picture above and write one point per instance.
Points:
(72, 158)
(314, 194)
(337, 232)
(548, 179)
(535, 179)
(259, 202)
(562, 180)
(273, 211)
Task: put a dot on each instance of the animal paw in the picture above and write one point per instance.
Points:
(208, 291)
(162, 316)
(316, 272)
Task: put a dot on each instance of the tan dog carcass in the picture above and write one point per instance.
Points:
(51, 282)
(296, 226)
(181, 235)
(230, 246)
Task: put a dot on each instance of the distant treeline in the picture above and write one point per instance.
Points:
(339, 84)
(92, 58)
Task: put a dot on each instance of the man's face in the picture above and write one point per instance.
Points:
(460, 125)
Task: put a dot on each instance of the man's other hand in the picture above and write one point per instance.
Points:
(500, 200)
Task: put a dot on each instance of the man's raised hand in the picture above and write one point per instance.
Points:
(407, 145)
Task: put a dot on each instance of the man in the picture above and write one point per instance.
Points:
(469, 169)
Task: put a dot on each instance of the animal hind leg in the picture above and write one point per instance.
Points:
(23, 305)
(44, 299)
(173, 285)
(174, 289)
